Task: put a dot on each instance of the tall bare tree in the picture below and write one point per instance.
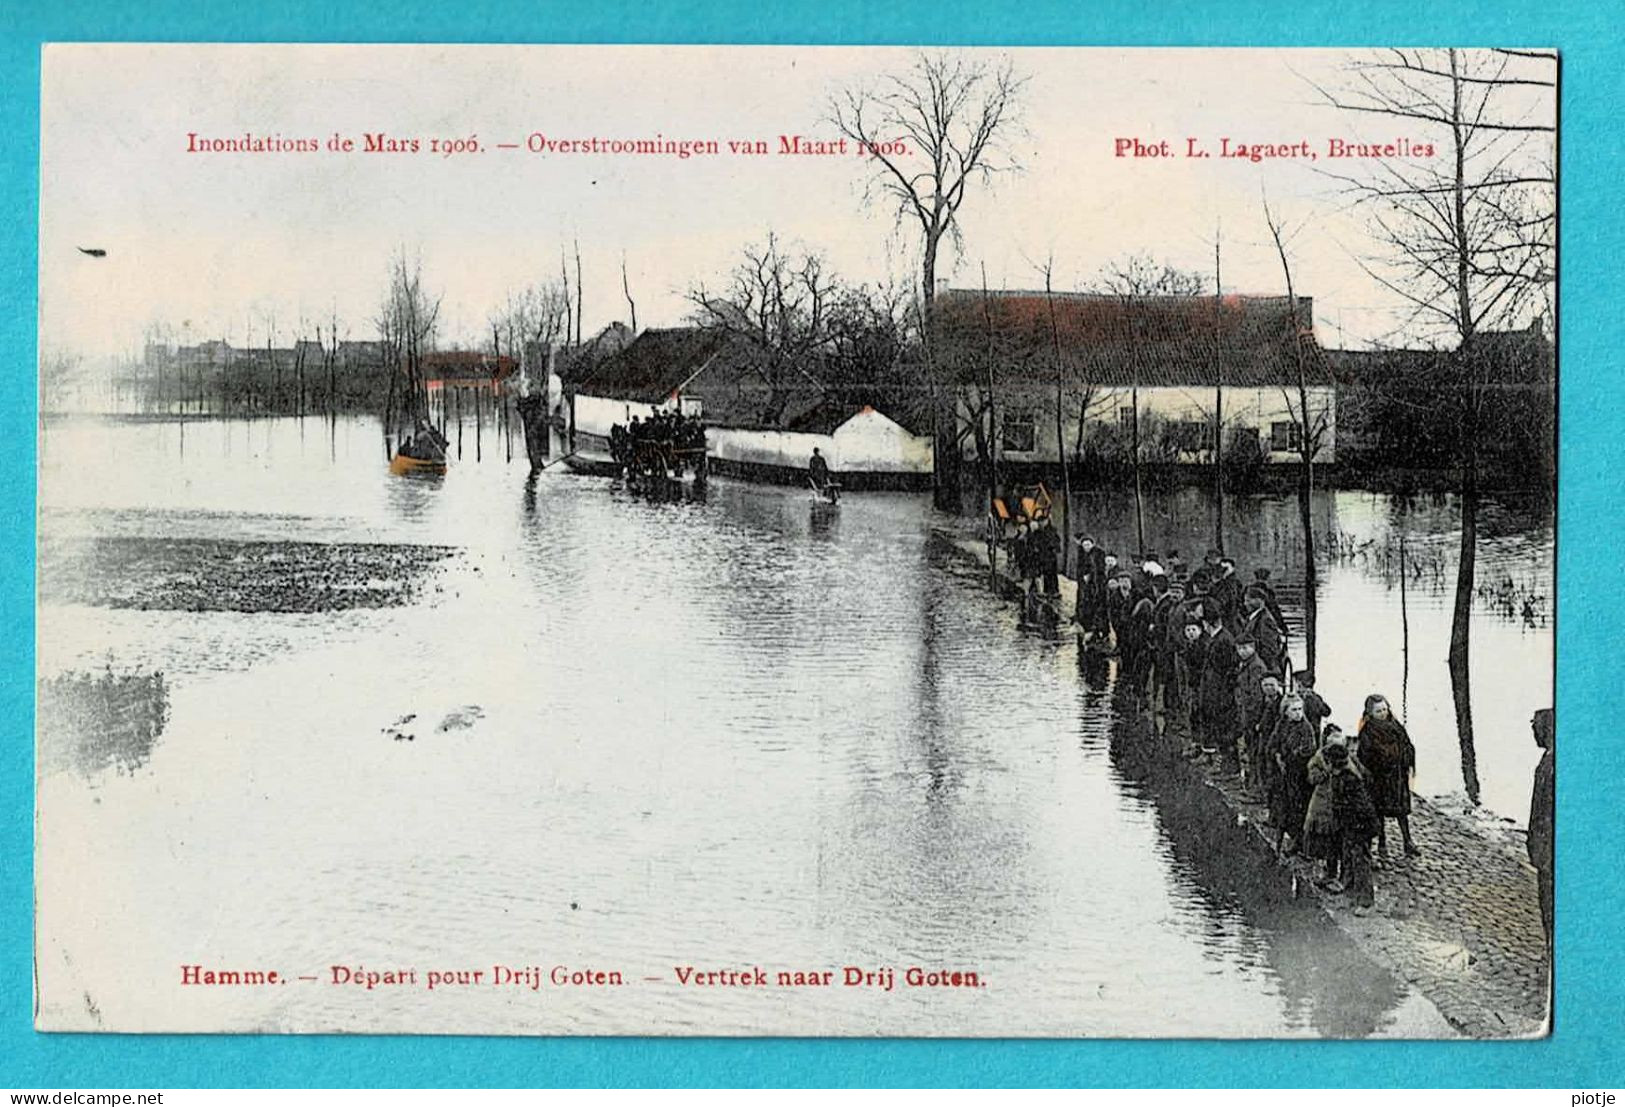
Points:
(779, 301)
(1466, 237)
(1133, 280)
(1218, 390)
(407, 322)
(1311, 427)
(626, 290)
(531, 321)
(1061, 375)
(931, 134)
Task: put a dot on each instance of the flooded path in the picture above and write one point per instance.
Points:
(570, 727)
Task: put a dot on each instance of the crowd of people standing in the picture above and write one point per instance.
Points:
(658, 442)
(1204, 654)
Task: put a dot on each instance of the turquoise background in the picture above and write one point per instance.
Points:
(1585, 1049)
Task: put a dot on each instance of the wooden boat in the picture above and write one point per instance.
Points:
(422, 454)
(402, 466)
(592, 465)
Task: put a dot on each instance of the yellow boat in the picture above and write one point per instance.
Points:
(403, 466)
(421, 454)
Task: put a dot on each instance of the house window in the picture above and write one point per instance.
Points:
(1125, 417)
(1284, 436)
(1019, 434)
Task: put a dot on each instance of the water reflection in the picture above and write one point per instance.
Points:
(736, 728)
(1252, 914)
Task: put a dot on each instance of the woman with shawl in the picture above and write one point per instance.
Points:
(1390, 758)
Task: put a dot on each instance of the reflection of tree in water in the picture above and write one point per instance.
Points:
(927, 694)
(1252, 917)
(929, 862)
(91, 722)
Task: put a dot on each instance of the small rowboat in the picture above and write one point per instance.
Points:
(592, 465)
(403, 466)
(421, 454)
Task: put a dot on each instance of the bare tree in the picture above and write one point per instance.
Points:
(780, 303)
(1310, 429)
(931, 133)
(626, 290)
(1466, 238)
(330, 359)
(1048, 269)
(532, 319)
(63, 377)
(407, 321)
(1133, 280)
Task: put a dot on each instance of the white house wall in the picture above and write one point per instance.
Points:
(866, 443)
(869, 442)
(780, 449)
(596, 414)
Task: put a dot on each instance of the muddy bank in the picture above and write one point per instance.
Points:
(90, 722)
(202, 574)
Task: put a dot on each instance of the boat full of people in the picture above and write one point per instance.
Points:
(667, 448)
(422, 453)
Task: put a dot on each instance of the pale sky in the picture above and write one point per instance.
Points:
(221, 242)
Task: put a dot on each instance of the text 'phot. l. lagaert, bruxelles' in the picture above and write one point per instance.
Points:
(1300, 150)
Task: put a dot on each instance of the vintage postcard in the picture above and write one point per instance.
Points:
(720, 540)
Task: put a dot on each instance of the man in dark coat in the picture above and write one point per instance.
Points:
(1262, 628)
(1271, 702)
(1225, 592)
(1091, 614)
(817, 470)
(1217, 691)
(1250, 674)
(1119, 601)
(1356, 819)
(1137, 652)
(1261, 581)
(1046, 552)
(1542, 811)
(1167, 633)
(1192, 657)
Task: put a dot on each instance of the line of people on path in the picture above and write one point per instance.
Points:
(1205, 657)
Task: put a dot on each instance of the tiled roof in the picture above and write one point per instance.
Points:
(1510, 358)
(1107, 339)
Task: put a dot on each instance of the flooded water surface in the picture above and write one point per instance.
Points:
(456, 724)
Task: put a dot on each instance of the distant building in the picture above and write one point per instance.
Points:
(1084, 352)
(466, 370)
(1406, 408)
